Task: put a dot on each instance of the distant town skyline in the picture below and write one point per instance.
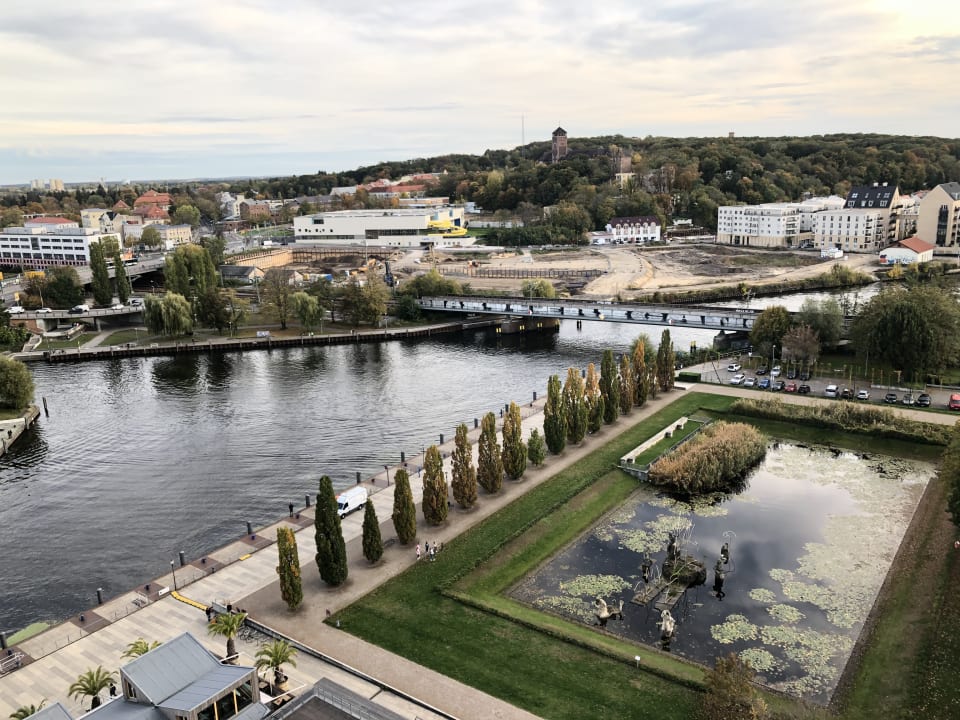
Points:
(173, 89)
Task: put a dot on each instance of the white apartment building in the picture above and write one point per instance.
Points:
(938, 220)
(851, 230)
(639, 229)
(771, 225)
(439, 227)
(170, 235)
(809, 208)
(39, 247)
(885, 199)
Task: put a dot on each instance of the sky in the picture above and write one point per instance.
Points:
(165, 89)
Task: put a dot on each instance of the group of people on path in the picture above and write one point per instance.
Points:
(430, 551)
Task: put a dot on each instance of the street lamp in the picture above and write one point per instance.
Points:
(173, 571)
(773, 356)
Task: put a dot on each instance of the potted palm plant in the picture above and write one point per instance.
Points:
(274, 655)
(91, 684)
(228, 625)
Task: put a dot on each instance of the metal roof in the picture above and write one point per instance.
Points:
(52, 712)
(203, 690)
(122, 709)
(168, 669)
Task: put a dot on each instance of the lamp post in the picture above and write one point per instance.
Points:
(173, 571)
(773, 356)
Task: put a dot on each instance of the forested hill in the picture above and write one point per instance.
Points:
(675, 177)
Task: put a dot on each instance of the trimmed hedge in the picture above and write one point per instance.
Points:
(847, 417)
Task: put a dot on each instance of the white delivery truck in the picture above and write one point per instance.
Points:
(350, 500)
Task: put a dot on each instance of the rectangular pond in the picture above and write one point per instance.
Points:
(810, 540)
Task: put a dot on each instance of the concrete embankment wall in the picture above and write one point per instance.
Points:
(11, 430)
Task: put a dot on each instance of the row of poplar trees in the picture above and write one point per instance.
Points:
(587, 401)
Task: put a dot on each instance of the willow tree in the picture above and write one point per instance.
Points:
(288, 568)
(489, 462)
(404, 511)
(593, 399)
(554, 419)
(464, 474)
(372, 542)
(609, 387)
(628, 386)
(331, 555)
(514, 454)
(574, 407)
(666, 359)
(434, 487)
(170, 315)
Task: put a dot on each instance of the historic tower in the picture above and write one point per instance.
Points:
(559, 150)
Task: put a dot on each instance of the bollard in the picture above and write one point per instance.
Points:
(249, 528)
(534, 395)
(182, 561)
(358, 477)
(308, 499)
(3, 640)
(290, 505)
(441, 438)
(501, 412)
(583, 374)
(386, 470)
(82, 618)
(99, 596)
(476, 423)
(403, 457)
(45, 411)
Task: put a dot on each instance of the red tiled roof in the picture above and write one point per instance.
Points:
(47, 221)
(152, 197)
(917, 245)
(152, 211)
(120, 205)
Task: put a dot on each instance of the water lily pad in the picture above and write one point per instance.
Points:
(785, 613)
(762, 595)
(735, 627)
(760, 660)
(594, 585)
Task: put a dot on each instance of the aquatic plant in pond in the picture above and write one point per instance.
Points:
(809, 544)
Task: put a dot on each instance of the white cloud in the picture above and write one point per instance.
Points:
(309, 82)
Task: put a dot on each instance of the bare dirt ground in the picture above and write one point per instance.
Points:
(630, 272)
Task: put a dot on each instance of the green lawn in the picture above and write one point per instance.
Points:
(83, 339)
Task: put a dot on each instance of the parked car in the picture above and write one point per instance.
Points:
(775, 371)
(792, 374)
(791, 387)
(803, 390)
(846, 394)
(117, 306)
(762, 370)
(750, 382)
(779, 386)
(831, 391)
(804, 376)
(908, 399)
(79, 309)
(923, 400)
(763, 383)
(863, 394)
(891, 398)
(15, 310)
(733, 367)
(737, 379)
(954, 402)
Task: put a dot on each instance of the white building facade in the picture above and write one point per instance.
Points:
(850, 230)
(771, 225)
(906, 252)
(439, 227)
(35, 248)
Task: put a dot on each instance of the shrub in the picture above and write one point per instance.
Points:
(715, 459)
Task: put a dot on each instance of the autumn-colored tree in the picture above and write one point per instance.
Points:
(331, 554)
(574, 407)
(536, 448)
(666, 359)
(434, 487)
(640, 374)
(594, 400)
(514, 453)
(609, 387)
(372, 542)
(489, 462)
(464, 474)
(628, 388)
(288, 568)
(404, 510)
(731, 694)
(554, 418)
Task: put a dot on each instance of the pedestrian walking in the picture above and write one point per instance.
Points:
(418, 551)
(426, 547)
(433, 553)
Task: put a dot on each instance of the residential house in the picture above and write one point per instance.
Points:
(240, 274)
(254, 210)
(906, 252)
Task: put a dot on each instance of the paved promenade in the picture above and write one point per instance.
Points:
(243, 574)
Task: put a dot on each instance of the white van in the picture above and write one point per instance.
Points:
(350, 500)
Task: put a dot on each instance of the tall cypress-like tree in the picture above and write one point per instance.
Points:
(574, 407)
(628, 388)
(288, 568)
(404, 510)
(434, 487)
(372, 542)
(464, 480)
(100, 276)
(120, 278)
(514, 452)
(609, 387)
(640, 374)
(593, 399)
(331, 550)
(489, 462)
(666, 359)
(554, 419)
(536, 448)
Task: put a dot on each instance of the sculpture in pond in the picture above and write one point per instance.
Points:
(718, 578)
(646, 568)
(682, 569)
(668, 626)
(725, 553)
(604, 612)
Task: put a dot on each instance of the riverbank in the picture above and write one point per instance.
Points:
(12, 428)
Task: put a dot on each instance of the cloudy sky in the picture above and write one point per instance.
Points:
(180, 88)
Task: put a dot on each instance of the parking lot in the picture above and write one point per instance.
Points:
(752, 374)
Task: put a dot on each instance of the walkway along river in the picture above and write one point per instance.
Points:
(143, 457)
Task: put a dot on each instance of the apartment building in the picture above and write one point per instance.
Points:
(938, 220)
